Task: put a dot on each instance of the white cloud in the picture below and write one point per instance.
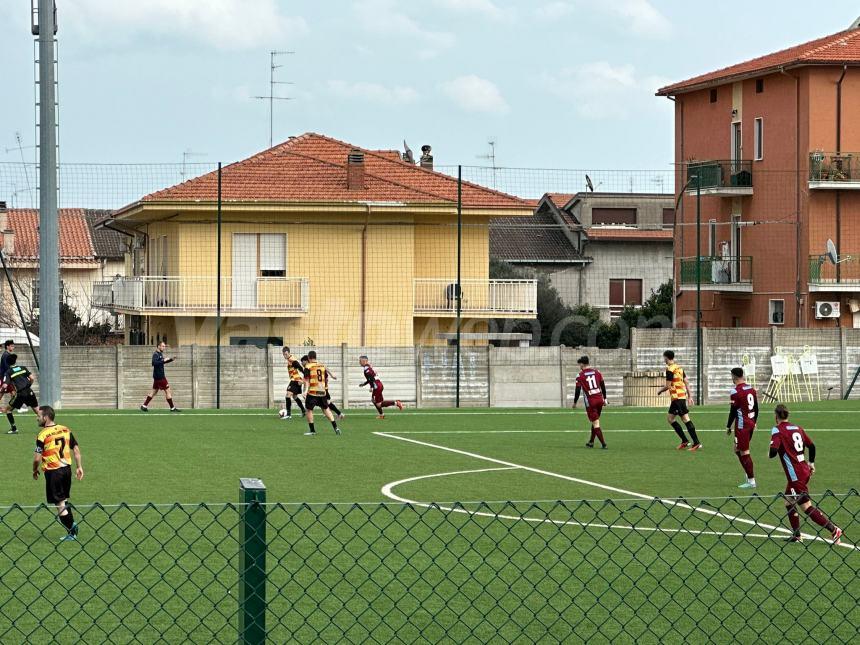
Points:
(487, 8)
(554, 10)
(475, 94)
(383, 18)
(642, 17)
(600, 90)
(225, 24)
(373, 92)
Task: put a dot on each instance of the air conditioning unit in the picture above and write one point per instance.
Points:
(826, 309)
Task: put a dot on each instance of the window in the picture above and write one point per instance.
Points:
(758, 144)
(273, 255)
(759, 85)
(712, 238)
(668, 217)
(34, 292)
(714, 95)
(624, 293)
(776, 312)
(256, 341)
(613, 216)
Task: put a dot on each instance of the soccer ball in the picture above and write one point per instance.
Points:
(282, 413)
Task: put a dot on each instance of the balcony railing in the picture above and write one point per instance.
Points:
(826, 276)
(435, 296)
(721, 177)
(718, 273)
(177, 294)
(834, 170)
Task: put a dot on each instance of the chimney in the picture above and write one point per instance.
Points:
(426, 157)
(355, 170)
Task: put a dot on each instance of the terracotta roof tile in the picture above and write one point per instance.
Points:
(75, 240)
(312, 168)
(842, 47)
(617, 234)
(561, 199)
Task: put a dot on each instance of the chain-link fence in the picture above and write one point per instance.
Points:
(705, 570)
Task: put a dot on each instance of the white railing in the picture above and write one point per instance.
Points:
(183, 293)
(485, 297)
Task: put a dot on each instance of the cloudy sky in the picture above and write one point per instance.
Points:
(558, 83)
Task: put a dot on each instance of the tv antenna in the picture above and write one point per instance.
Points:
(271, 98)
(20, 148)
(186, 155)
(491, 157)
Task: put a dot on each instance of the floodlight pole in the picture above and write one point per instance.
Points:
(699, 348)
(458, 291)
(50, 386)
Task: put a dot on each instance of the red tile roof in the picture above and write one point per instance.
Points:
(610, 234)
(313, 168)
(76, 243)
(561, 199)
(842, 47)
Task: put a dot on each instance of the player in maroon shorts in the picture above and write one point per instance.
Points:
(789, 441)
(159, 379)
(590, 381)
(742, 417)
(376, 388)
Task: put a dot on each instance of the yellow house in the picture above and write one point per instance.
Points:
(321, 242)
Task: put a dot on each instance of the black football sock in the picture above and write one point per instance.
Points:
(679, 431)
(692, 430)
(333, 407)
(11, 418)
(289, 405)
(68, 520)
(334, 425)
(378, 408)
(170, 403)
(300, 404)
(311, 426)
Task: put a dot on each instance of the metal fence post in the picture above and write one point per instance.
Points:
(252, 562)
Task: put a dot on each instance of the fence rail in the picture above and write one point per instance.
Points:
(710, 570)
(479, 297)
(834, 169)
(718, 272)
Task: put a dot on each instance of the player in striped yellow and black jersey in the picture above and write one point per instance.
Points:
(55, 445)
(316, 382)
(294, 387)
(678, 387)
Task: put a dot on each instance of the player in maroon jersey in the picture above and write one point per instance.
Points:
(590, 382)
(789, 441)
(742, 417)
(376, 388)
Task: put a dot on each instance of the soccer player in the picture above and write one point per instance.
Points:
(330, 375)
(159, 380)
(315, 384)
(21, 381)
(678, 387)
(790, 442)
(591, 382)
(53, 447)
(376, 388)
(5, 386)
(297, 380)
(743, 415)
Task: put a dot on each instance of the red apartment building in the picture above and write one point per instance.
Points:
(774, 146)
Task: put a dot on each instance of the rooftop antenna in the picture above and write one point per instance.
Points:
(491, 157)
(186, 155)
(271, 98)
(659, 181)
(20, 148)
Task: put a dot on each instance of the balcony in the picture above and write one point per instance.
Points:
(731, 274)
(190, 296)
(437, 298)
(834, 171)
(826, 276)
(721, 178)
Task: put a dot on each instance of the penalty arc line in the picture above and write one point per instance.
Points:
(613, 489)
(388, 491)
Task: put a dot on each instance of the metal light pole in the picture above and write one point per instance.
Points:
(699, 289)
(459, 288)
(49, 253)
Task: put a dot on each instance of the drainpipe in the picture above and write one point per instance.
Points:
(797, 223)
(678, 202)
(838, 196)
(363, 298)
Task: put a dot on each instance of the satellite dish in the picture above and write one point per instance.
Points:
(831, 252)
(588, 184)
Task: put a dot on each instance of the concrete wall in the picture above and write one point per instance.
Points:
(111, 377)
(649, 207)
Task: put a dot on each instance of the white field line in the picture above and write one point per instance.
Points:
(613, 489)
(388, 491)
(610, 431)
